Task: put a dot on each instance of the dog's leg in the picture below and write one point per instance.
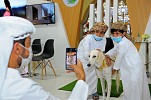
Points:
(117, 81)
(106, 89)
(103, 87)
(109, 82)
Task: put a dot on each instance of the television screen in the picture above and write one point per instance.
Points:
(41, 13)
(13, 8)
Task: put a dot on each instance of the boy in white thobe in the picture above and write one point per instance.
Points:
(130, 64)
(94, 40)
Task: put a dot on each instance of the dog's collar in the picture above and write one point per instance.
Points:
(102, 66)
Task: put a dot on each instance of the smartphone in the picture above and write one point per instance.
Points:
(71, 57)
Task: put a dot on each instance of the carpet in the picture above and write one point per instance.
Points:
(114, 93)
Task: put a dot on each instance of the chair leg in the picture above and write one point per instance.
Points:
(45, 66)
(42, 68)
(52, 68)
(29, 68)
(45, 71)
(33, 67)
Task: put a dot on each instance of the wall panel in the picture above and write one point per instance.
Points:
(139, 11)
(71, 17)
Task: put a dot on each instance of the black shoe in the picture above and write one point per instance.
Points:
(25, 75)
(95, 96)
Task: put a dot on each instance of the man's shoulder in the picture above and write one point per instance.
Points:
(18, 87)
(24, 83)
(28, 82)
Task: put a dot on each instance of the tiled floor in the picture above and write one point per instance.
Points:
(52, 83)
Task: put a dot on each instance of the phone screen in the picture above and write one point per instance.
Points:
(71, 57)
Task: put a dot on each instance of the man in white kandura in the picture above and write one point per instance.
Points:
(129, 62)
(15, 51)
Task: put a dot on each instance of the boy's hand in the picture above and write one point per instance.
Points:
(108, 60)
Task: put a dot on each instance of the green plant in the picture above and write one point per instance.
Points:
(145, 37)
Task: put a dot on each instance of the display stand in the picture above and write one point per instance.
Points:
(147, 58)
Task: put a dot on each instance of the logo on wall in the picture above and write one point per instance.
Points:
(70, 3)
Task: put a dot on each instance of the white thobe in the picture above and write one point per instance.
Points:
(18, 88)
(86, 45)
(132, 69)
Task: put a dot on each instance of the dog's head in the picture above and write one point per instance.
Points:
(95, 58)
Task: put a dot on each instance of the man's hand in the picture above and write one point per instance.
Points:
(78, 69)
(108, 60)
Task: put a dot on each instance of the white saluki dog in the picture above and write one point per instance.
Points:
(104, 72)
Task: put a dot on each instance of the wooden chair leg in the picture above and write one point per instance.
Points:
(42, 69)
(45, 66)
(33, 67)
(52, 68)
(29, 68)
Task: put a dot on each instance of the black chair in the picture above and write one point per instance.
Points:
(47, 53)
(36, 49)
(36, 46)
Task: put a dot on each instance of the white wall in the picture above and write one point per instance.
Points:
(53, 31)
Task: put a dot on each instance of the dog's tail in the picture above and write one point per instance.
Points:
(117, 81)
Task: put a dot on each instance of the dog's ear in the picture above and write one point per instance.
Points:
(99, 61)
